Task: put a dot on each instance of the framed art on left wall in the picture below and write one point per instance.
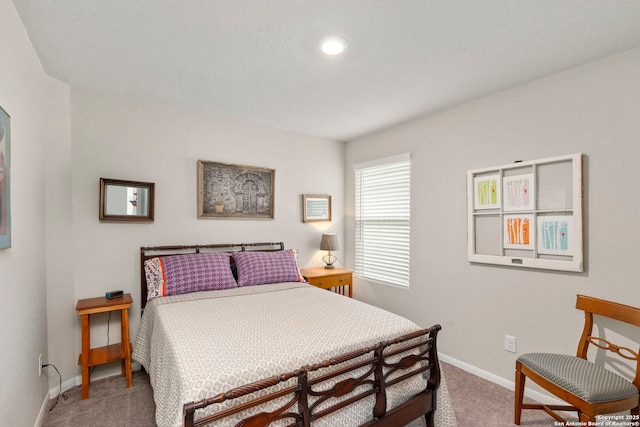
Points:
(5, 180)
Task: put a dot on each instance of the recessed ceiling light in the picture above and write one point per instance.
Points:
(333, 45)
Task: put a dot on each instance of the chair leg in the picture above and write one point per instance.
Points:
(518, 394)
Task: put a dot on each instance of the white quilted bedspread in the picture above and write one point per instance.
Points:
(197, 345)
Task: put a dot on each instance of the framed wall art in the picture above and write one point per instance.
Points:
(519, 192)
(316, 207)
(486, 191)
(235, 191)
(5, 180)
(534, 221)
(555, 235)
(517, 231)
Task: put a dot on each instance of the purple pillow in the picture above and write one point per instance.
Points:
(259, 268)
(180, 274)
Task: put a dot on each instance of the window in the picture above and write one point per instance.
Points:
(383, 216)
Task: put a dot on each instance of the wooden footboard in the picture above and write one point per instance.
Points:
(313, 396)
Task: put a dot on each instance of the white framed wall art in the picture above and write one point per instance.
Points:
(534, 220)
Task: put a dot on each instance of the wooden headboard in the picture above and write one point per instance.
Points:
(155, 251)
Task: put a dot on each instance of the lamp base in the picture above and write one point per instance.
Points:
(329, 260)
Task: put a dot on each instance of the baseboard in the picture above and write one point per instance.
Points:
(69, 384)
(43, 408)
(510, 385)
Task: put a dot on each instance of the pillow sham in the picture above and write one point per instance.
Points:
(181, 274)
(260, 268)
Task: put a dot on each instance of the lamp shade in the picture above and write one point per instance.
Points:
(329, 242)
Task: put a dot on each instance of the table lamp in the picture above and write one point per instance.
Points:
(329, 243)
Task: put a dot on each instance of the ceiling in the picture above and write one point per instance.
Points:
(258, 61)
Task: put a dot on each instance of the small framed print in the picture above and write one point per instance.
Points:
(486, 191)
(518, 192)
(555, 233)
(517, 231)
(316, 207)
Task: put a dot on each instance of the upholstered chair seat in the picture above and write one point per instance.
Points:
(585, 387)
(580, 377)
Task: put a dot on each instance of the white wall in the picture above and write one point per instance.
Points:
(39, 110)
(126, 139)
(594, 109)
(61, 315)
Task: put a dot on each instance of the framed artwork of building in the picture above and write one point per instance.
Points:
(235, 191)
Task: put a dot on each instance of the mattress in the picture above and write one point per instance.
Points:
(197, 345)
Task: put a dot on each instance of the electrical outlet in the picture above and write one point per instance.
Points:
(510, 343)
(40, 365)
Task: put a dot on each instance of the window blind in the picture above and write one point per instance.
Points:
(383, 216)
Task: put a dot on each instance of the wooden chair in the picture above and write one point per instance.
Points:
(589, 389)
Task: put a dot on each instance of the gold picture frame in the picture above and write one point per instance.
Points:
(316, 207)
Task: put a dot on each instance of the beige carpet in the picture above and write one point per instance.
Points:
(476, 402)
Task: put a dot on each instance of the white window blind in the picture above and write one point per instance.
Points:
(383, 216)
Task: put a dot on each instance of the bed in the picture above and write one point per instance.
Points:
(256, 346)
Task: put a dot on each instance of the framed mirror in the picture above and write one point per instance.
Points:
(126, 200)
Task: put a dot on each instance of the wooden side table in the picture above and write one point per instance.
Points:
(97, 356)
(337, 279)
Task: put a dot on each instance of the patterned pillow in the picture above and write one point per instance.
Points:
(259, 268)
(180, 274)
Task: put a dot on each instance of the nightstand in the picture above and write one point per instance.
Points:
(97, 356)
(336, 279)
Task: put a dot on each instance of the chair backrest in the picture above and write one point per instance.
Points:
(612, 310)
